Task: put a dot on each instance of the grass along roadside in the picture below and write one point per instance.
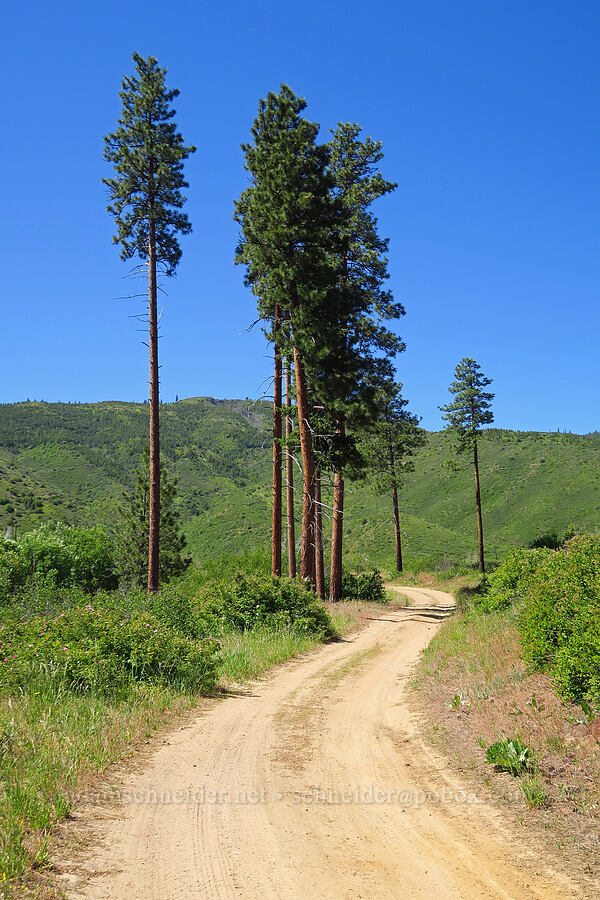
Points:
(55, 743)
(472, 689)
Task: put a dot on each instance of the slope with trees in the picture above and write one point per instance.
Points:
(72, 463)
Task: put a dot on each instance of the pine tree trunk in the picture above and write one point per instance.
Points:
(277, 455)
(289, 471)
(397, 529)
(395, 502)
(154, 517)
(307, 552)
(337, 531)
(337, 525)
(478, 500)
(319, 561)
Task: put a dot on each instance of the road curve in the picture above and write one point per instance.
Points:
(312, 783)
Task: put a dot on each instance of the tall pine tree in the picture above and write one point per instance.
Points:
(146, 199)
(389, 447)
(285, 222)
(466, 414)
(357, 347)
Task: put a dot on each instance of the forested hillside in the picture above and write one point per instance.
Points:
(72, 462)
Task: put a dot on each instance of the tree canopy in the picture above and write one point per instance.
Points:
(148, 153)
(471, 407)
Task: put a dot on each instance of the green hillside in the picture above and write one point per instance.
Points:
(72, 462)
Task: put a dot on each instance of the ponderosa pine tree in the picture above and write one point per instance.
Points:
(134, 527)
(285, 222)
(466, 414)
(389, 447)
(356, 346)
(146, 200)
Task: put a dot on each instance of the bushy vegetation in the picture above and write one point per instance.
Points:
(103, 650)
(508, 583)
(556, 597)
(560, 623)
(59, 555)
(510, 755)
(365, 586)
(249, 601)
(552, 539)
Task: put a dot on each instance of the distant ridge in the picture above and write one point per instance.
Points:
(73, 461)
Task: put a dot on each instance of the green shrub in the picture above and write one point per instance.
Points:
(365, 586)
(246, 601)
(468, 596)
(63, 555)
(13, 571)
(560, 622)
(552, 539)
(508, 583)
(103, 650)
(510, 756)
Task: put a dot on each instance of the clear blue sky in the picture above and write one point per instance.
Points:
(489, 116)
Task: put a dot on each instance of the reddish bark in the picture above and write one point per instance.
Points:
(337, 531)
(479, 517)
(289, 471)
(395, 502)
(307, 552)
(277, 455)
(154, 516)
(319, 561)
(397, 530)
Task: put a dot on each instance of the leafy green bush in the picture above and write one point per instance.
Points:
(560, 623)
(250, 600)
(552, 539)
(13, 571)
(365, 586)
(103, 650)
(508, 583)
(62, 555)
(510, 756)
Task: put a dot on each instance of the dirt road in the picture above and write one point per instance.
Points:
(313, 783)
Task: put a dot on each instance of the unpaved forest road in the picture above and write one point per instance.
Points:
(334, 721)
